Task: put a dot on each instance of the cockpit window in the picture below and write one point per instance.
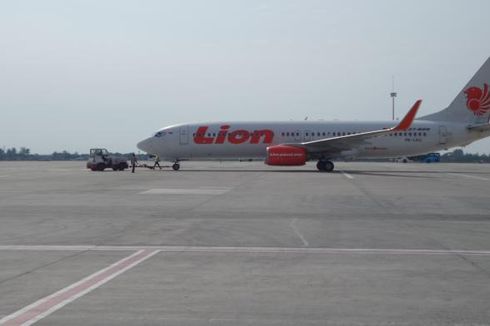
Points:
(160, 134)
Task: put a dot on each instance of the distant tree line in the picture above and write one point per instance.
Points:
(24, 154)
(458, 156)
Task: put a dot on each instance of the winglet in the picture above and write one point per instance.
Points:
(409, 117)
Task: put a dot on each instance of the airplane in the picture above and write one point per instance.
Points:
(289, 143)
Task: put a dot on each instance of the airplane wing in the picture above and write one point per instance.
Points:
(342, 143)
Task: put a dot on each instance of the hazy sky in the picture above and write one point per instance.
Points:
(79, 74)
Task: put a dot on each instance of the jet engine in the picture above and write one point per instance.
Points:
(285, 155)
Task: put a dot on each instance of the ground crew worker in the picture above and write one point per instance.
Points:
(157, 162)
(133, 162)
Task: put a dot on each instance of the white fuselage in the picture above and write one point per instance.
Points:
(249, 140)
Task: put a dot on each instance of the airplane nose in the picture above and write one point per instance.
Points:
(146, 145)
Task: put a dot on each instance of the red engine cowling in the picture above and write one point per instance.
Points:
(285, 155)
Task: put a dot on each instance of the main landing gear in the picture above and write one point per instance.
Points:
(325, 166)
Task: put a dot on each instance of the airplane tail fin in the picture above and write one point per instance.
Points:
(472, 104)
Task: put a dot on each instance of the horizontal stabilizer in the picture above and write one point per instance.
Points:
(480, 127)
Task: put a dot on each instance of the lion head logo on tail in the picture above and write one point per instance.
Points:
(478, 100)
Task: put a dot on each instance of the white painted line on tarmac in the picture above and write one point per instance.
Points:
(470, 176)
(49, 248)
(266, 250)
(295, 229)
(468, 222)
(47, 305)
(347, 175)
(190, 191)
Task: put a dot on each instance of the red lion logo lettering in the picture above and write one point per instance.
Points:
(478, 100)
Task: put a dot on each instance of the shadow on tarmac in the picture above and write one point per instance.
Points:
(397, 173)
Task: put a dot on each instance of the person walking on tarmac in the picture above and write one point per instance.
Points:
(134, 161)
(157, 162)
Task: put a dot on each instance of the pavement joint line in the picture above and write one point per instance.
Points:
(265, 250)
(53, 302)
(347, 175)
(470, 176)
(296, 231)
(186, 191)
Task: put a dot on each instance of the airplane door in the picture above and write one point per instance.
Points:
(306, 135)
(442, 134)
(184, 135)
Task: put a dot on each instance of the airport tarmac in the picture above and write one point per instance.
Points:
(245, 244)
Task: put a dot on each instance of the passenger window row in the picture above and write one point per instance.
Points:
(318, 134)
(409, 134)
(344, 133)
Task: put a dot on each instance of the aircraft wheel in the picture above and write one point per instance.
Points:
(324, 166)
(176, 166)
(329, 166)
(320, 165)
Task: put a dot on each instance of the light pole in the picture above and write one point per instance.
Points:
(393, 95)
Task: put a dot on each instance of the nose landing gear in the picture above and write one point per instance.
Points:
(325, 166)
(176, 166)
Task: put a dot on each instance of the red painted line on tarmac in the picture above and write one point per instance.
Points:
(55, 301)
